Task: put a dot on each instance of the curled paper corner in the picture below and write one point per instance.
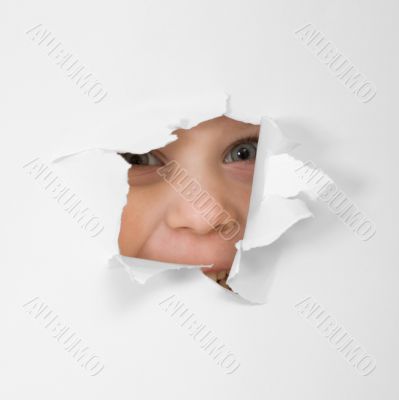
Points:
(141, 270)
(277, 142)
(274, 207)
(273, 210)
(272, 219)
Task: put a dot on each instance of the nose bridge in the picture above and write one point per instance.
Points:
(210, 200)
(215, 189)
(199, 201)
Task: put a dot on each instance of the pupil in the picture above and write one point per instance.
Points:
(136, 159)
(243, 153)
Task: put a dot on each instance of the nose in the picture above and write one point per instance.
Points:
(199, 208)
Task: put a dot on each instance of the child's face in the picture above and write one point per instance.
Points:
(158, 223)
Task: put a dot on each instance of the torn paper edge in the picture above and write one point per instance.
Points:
(140, 270)
(265, 200)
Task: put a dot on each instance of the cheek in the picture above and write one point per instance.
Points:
(139, 217)
(143, 175)
(242, 172)
(241, 197)
(238, 183)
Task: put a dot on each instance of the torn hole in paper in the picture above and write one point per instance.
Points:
(197, 199)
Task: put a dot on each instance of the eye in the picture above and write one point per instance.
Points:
(244, 151)
(146, 159)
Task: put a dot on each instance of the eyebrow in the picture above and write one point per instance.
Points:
(250, 133)
(246, 138)
(251, 130)
(255, 129)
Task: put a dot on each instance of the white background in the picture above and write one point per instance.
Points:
(249, 50)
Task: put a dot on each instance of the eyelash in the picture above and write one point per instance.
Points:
(128, 156)
(249, 139)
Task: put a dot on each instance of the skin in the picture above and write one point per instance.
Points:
(158, 224)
